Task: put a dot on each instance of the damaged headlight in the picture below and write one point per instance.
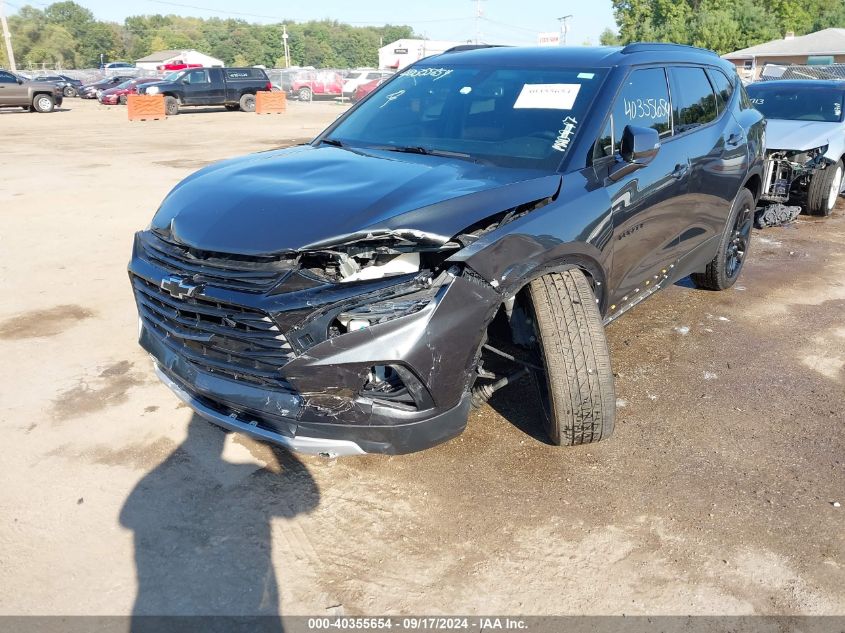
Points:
(384, 310)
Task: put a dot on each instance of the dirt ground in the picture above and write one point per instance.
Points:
(715, 495)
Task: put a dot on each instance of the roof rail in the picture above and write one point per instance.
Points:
(471, 47)
(640, 47)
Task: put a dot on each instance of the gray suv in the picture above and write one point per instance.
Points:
(37, 96)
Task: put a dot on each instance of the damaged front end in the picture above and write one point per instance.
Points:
(360, 345)
(787, 175)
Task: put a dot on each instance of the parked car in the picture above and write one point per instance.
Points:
(35, 96)
(805, 138)
(234, 88)
(118, 94)
(477, 219)
(357, 78)
(118, 65)
(364, 89)
(70, 86)
(92, 90)
(311, 84)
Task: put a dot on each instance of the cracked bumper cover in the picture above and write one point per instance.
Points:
(323, 410)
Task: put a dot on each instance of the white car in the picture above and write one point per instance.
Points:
(360, 77)
(805, 142)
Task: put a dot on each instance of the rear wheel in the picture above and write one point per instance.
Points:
(723, 271)
(576, 389)
(248, 103)
(69, 91)
(824, 190)
(43, 103)
(171, 106)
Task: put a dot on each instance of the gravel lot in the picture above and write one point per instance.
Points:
(715, 495)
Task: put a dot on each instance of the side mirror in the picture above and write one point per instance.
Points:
(20, 81)
(637, 149)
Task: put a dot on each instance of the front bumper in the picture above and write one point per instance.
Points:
(318, 403)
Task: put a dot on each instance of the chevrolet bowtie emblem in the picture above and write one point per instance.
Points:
(178, 288)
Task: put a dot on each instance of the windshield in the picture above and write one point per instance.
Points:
(805, 104)
(125, 84)
(174, 75)
(511, 117)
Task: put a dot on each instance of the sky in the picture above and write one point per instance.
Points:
(506, 21)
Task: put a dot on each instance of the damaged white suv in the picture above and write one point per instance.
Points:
(805, 140)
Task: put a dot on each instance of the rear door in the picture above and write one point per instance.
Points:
(645, 203)
(217, 87)
(11, 92)
(714, 143)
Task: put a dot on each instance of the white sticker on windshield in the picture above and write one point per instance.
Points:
(547, 96)
(565, 134)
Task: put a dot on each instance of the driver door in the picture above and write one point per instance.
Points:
(11, 92)
(646, 203)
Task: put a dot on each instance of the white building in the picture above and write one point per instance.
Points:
(160, 58)
(401, 53)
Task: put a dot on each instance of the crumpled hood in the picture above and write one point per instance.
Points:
(799, 135)
(309, 197)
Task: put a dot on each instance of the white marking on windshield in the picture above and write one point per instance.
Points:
(565, 134)
(393, 96)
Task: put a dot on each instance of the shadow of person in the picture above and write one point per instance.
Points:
(202, 535)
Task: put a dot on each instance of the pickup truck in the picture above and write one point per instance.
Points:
(234, 88)
(37, 96)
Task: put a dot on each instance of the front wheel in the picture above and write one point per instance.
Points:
(576, 389)
(304, 94)
(247, 103)
(171, 106)
(43, 103)
(723, 271)
(824, 190)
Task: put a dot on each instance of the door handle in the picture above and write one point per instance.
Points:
(680, 171)
(734, 139)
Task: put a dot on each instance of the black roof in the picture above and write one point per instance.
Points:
(580, 56)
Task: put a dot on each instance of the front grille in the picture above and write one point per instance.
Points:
(240, 343)
(232, 272)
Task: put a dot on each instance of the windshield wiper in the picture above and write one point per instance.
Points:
(416, 149)
(331, 141)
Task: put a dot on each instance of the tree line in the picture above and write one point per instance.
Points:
(67, 35)
(720, 25)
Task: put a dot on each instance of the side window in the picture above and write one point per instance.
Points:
(693, 101)
(643, 101)
(198, 77)
(744, 99)
(723, 86)
(6, 78)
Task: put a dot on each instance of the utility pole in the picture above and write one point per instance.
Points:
(7, 36)
(285, 42)
(564, 28)
(479, 13)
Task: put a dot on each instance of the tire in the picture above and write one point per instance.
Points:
(723, 271)
(824, 190)
(69, 91)
(304, 94)
(248, 103)
(122, 99)
(171, 106)
(576, 390)
(43, 103)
